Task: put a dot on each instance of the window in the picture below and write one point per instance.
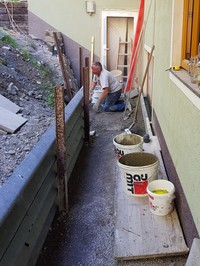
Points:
(191, 31)
(184, 45)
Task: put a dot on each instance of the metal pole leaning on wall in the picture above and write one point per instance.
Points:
(141, 89)
(61, 149)
(86, 103)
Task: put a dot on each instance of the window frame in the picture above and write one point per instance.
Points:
(191, 19)
(181, 78)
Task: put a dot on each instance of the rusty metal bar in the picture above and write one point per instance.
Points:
(65, 76)
(60, 148)
(87, 62)
(80, 66)
(86, 102)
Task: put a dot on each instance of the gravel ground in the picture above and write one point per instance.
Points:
(28, 72)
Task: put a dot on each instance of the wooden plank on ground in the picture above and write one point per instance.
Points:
(7, 104)
(9, 121)
(139, 233)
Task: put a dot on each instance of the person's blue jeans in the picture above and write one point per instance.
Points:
(112, 103)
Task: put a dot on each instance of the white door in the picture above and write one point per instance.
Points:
(115, 25)
(119, 40)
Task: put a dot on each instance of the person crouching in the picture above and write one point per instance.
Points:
(111, 90)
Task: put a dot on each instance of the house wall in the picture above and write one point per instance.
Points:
(176, 117)
(76, 25)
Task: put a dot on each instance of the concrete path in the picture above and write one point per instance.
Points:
(86, 235)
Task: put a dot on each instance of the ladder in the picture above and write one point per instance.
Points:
(123, 58)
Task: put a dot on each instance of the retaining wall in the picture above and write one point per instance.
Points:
(14, 15)
(29, 198)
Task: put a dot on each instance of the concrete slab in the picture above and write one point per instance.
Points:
(7, 104)
(9, 121)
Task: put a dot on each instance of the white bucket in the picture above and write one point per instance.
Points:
(96, 94)
(161, 197)
(118, 74)
(137, 171)
(127, 143)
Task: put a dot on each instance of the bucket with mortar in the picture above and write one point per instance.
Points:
(118, 74)
(137, 171)
(161, 197)
(127, 143)
(96, 94)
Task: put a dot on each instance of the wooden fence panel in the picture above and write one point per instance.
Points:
(14, 15)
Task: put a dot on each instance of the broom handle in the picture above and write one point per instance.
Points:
(142, 86)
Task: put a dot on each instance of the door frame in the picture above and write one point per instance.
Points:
(104, 18)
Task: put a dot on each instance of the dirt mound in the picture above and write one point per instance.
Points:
(28, 74)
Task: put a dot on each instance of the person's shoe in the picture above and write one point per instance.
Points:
(113, 108)
(121, 107)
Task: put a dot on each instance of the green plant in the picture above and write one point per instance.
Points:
(50, 97)
(9, 40)
(45, 71)
(3, 61)
(26, 55)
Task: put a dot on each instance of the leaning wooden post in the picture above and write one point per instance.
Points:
(81, 66)
(86, 102)
(62, 65)
(61, 149)
(87, 62)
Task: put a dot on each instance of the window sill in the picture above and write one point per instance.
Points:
(182, 80)
(184, 77)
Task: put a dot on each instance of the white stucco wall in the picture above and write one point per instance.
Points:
(178, 114)
(71, 18)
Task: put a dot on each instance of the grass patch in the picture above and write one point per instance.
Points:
(44, 70)
(50, 94)
(26, 55)
(45, 73)
(9, 40)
